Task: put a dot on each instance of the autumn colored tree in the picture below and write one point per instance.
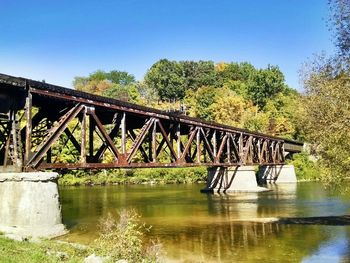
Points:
(327, 110)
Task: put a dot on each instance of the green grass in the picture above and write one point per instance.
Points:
(45, 251)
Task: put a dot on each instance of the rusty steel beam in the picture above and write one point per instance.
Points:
(54, 133)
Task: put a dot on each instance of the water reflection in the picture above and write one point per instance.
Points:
(196, 227)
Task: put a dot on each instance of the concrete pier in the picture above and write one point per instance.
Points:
(232, 179)
(276, 174)
(30, 206)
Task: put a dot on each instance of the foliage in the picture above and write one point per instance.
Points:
(265, 84)
(340, 25)
(114, 84)
(200, 101)
(305, 168)
(122, 238)
(327, 119)
(327, 111)
(135, 176)
(166, 78)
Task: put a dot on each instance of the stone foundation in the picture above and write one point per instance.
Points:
(232, 179)
(276, 174)
(30, 206)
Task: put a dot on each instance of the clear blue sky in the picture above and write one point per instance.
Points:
(57, 40)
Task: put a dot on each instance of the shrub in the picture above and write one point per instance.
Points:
(122, 238)
(305, 168)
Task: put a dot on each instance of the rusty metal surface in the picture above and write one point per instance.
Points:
(109, 133)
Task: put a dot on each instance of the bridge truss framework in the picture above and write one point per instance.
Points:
(43, 126)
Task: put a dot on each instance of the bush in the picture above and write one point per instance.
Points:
(122, 238)
(305, 168)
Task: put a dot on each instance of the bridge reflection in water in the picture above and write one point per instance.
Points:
(216, 228)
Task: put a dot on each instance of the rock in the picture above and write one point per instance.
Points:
(121, 261)
(62, 256)
(93, 259)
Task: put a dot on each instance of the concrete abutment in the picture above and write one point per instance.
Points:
(276, 174)
(247, 178)
(30, 205)
(232, 179)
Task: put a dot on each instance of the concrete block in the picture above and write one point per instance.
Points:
(29, 205)
(232, 179)
(277, 174)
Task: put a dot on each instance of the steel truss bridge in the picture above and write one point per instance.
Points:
(43, 126)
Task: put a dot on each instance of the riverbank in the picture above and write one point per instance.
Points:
(306, 170)
(43, 251)
(120, 237)
(135, 176)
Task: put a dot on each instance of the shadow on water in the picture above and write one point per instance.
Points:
(343, 220)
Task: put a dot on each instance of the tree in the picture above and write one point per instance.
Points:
(120, 77)
(199, 102)
(166, 77)
(327, 103)
(198, 74)
(327, 120)
(229, 72)
(340, 25)
(232, 110)
(114, 84)
(265, 84)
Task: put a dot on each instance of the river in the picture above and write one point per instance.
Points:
(195, 227)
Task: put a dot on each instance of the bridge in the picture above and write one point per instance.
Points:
(40, 122)
(39, 119)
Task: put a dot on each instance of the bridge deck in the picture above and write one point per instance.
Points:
(108, 133)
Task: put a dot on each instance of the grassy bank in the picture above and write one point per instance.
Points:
(135, 176)
(121, 237)
(44, 251)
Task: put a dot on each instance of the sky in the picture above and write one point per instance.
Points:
(58, 40)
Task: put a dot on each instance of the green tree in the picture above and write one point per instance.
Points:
(265, 84)
(198, 74)
(199, 102)
(166, 77)
(226, 72)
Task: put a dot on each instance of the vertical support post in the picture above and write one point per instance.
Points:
(83, 137)
(49, 152)
(91, 136)
(153, 139)
(198, 141)
(28, 114)
(178, 140)
(228, 147)
(214, 143)
(241, 148)
(123, 130)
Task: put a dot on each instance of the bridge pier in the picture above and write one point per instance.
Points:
(29, 205)
(276, 174)
(232, 179)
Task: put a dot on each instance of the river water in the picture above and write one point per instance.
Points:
(195, 227)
